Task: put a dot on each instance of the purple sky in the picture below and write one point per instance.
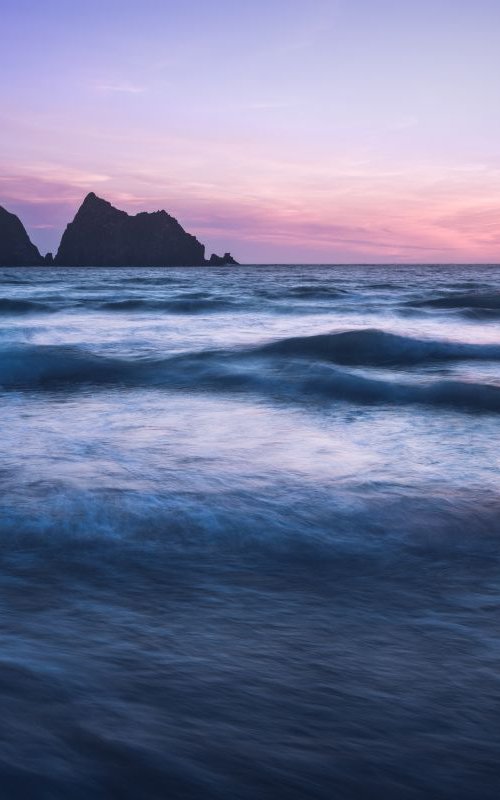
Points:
(283, 130)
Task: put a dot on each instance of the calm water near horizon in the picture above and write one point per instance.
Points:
(250, 526)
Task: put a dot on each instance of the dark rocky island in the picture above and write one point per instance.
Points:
(102, 236)
(221, 261)
(16, 249)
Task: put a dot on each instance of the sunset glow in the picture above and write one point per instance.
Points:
(284, 131)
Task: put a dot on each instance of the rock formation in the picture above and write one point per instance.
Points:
(102, 236)
(16, 249)
(221, 261)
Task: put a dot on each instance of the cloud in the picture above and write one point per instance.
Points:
(472, 220)
(120, 88)
(46, 183)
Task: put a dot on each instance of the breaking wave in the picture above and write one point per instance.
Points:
(371, 347)
(375, 525)
(277, 370)
(488, 302)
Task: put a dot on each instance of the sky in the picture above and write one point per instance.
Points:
(310, 131)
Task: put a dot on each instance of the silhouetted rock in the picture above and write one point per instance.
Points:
(221, 261)
(48, 259)
(102, 236)
(16, 249)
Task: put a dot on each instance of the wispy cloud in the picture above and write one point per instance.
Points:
(47, 190)
(120, 88)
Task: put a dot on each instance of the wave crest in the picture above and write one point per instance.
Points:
(486, 302)
(15, 306)
(180, 305)
(373, 347)
(264, 372)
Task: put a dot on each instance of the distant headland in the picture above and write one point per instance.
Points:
(103, 236)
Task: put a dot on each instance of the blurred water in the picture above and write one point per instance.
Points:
(250, 533)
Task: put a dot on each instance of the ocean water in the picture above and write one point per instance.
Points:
(249, 529)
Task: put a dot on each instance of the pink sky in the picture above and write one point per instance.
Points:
(327, 131)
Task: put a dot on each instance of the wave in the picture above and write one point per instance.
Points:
(372, 347)
(481, 314)
(302, 292)
(181, 305)
(382, 286)
(487, 301)
(191, 303)
(15, 306)
(149, 280)
(315, 292)
(50, 367)
(291, 519)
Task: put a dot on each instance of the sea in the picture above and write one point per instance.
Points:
(250, 533)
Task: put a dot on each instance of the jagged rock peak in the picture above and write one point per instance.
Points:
(104, 236)
(16, 249)
(94, 205)
(93, 199)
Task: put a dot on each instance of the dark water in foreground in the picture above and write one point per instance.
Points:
(250, 534)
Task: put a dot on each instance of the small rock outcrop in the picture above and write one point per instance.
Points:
(16, 249)
(103, 236)
(221, 261)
